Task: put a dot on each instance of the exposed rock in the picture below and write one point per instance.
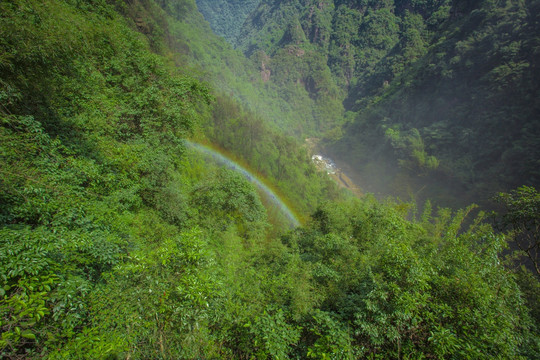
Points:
(265, 73)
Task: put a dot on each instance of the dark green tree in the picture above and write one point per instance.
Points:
(521, 216)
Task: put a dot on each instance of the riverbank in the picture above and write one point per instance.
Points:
(332, 169)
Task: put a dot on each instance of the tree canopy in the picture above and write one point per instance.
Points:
(119, 241)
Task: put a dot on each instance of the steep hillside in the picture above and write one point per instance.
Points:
(351, 37)
(435, 92)
(227, 16)
(467, 111)
(120, 241)
(101, 202)
(285, 106)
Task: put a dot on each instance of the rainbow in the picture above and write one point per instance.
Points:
(221, 158)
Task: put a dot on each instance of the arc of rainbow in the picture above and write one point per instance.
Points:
(224, 160)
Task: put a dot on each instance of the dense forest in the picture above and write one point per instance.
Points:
(227, 17)
(439, 97)
(120, 240)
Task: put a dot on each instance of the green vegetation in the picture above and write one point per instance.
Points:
(226, 17)
(455, 82)
(117, 241)
(522, 218)
(213, 60)
(469, 94)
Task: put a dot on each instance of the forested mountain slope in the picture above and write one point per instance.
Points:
(447, 90)
(291, 110)
(467, 111)
(227, 16)
(248, 118)
(117, 241)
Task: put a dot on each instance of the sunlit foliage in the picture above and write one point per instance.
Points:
(118, 242)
